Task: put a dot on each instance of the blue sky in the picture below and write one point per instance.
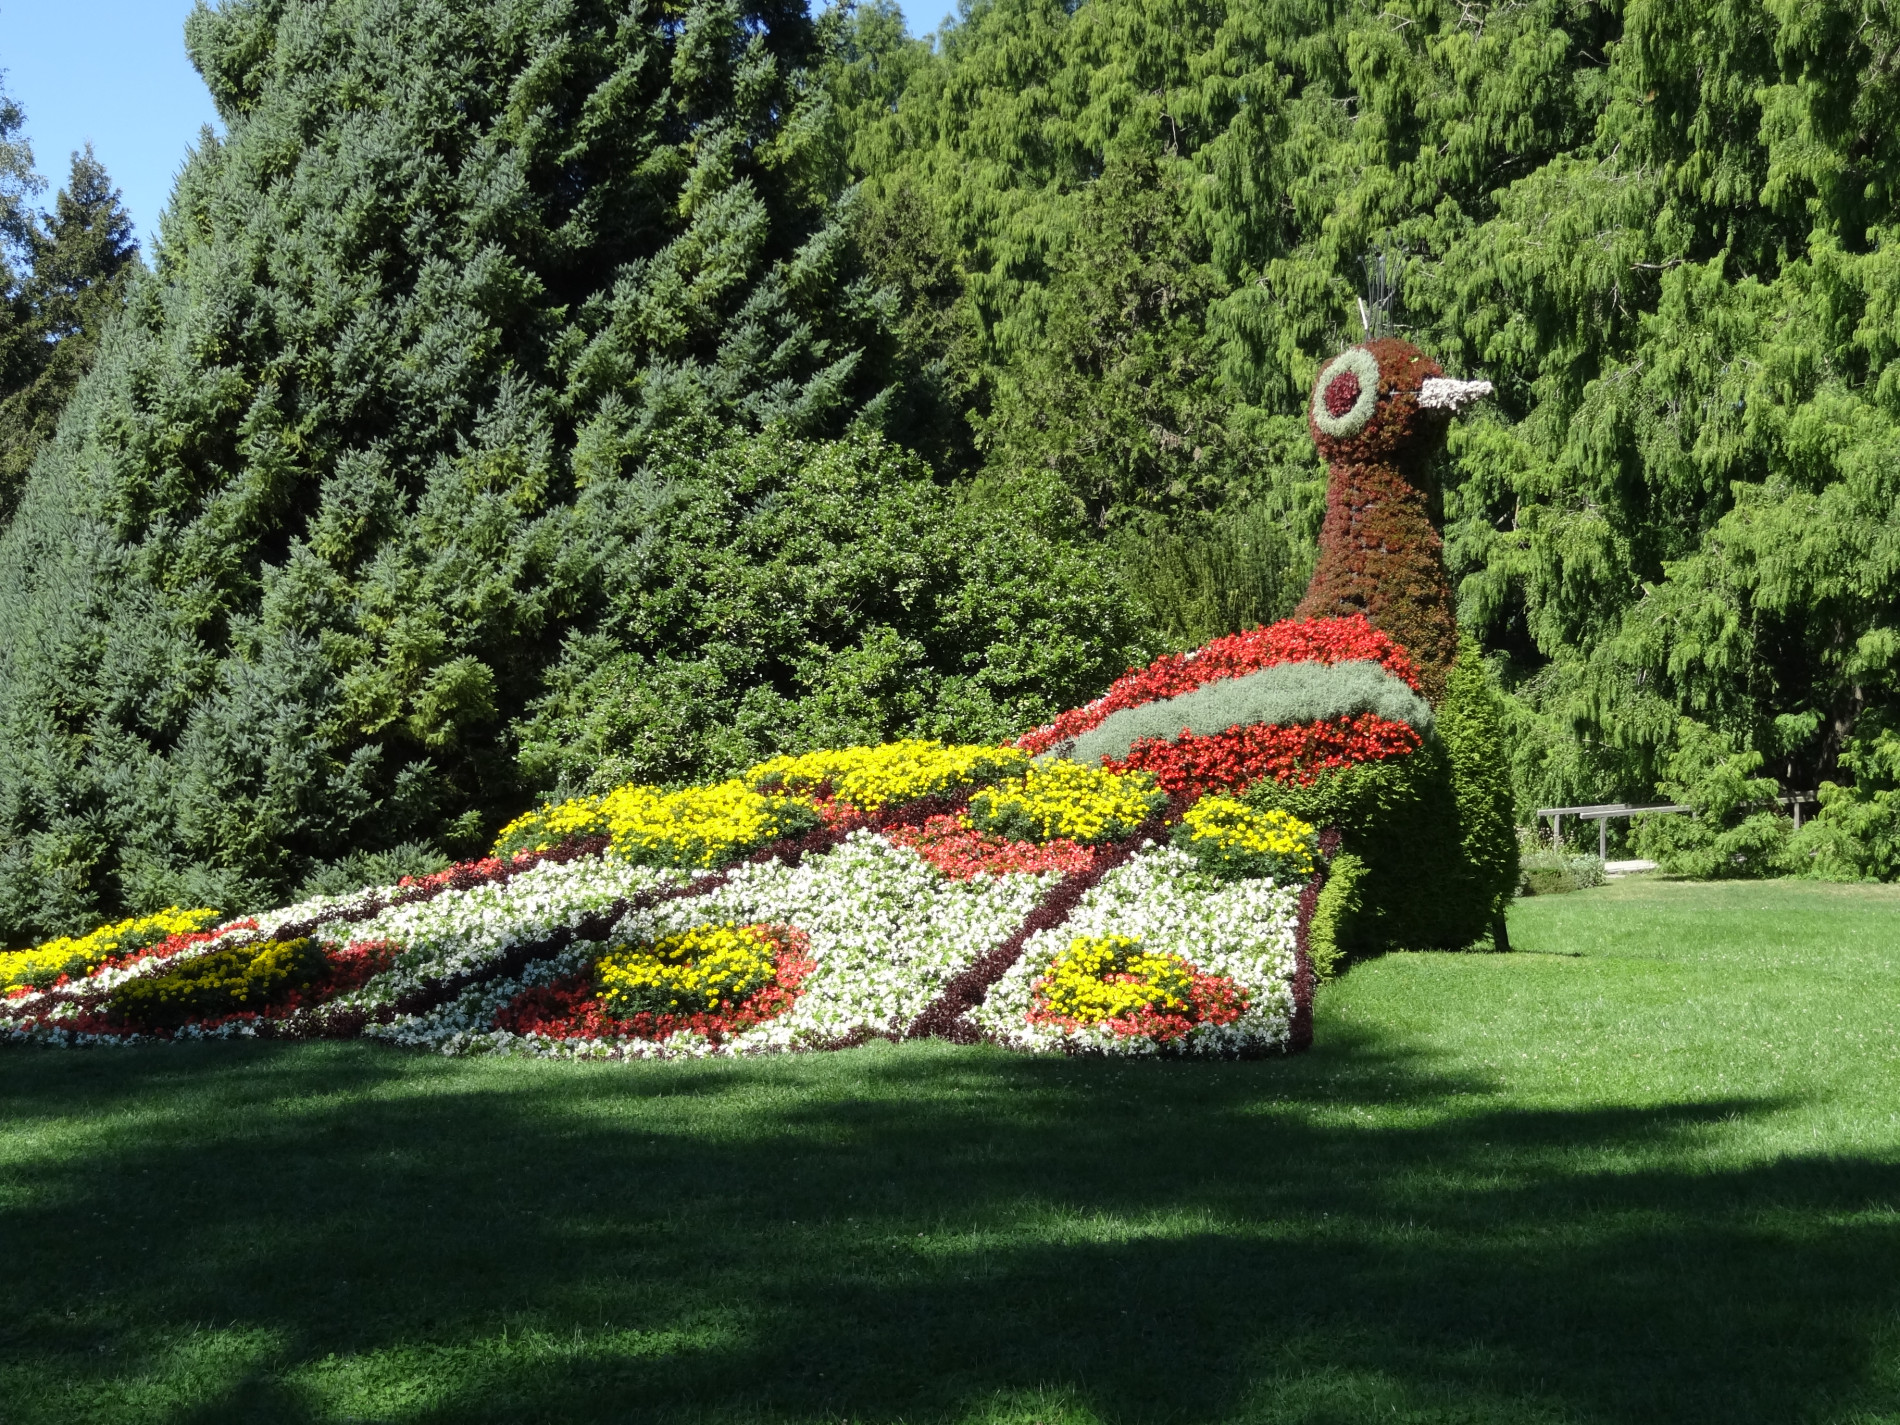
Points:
(114, 72)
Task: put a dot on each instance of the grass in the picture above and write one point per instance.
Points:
(1647, 1168)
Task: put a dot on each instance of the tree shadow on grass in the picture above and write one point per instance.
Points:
(915, 1234)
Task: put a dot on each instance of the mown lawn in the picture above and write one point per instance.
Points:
(1647, 1168)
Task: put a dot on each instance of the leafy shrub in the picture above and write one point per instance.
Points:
(1433, 830)
(228, 981)
(1471, 726)
(1856, 834)
(1732, 829)
(373, 868)
(779, 596)
(1855, 837)
(1545, 873)
(1331, 937)
(1213, 574)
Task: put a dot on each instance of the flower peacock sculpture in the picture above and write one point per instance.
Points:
(1366, 713)
(1162, 871)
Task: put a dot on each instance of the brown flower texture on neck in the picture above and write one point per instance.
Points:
(1378, 425)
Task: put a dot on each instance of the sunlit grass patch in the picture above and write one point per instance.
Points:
(1646, 1168)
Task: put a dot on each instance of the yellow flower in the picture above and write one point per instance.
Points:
(873, 777)
(1232, 839)
(688, 973)
(1067, 800)
(239, 977)
(1110, 977)
(544, 828)
(80, 955)
(698, 827)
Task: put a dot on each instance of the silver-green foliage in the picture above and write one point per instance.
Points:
(1285, 694)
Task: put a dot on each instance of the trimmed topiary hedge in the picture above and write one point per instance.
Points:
(1434, 853)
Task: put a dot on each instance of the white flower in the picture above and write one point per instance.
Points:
(886, 930)
(1243, 930)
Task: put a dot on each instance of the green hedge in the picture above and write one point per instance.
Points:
(1429, 854)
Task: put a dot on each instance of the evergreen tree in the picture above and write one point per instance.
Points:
(20, 337)
(83, 256)
(1664, 232)
(774, 594)
(390, 448)
(1115, 388)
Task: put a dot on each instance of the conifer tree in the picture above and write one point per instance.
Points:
(1667, 234)
(19, 182)
(440, 347)
(83, 256)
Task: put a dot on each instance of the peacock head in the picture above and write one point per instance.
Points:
(1385, 400)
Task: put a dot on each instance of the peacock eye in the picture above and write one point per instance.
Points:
(1346, 393)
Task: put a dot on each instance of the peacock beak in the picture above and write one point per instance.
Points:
(1442, 394)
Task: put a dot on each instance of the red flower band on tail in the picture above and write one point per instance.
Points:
(1234, 760)
(1321, 640)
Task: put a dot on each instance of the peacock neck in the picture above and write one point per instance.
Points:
(1381, 555)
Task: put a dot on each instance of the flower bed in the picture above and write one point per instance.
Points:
(384, 949)
(1066, 801)
(713, 982)
(701, 826)
(959, 850)
(1237, 759)
(767, 913)
(884, 931)
(69, 957)
(1232, 946)
(870, 778)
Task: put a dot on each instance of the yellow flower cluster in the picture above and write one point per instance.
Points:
(872, 777)
(1110, 977)
(545, 828)
(77, 955)
(1067, 800)
(699, 827)
(237, 978)
(686, 973)
(1233, 840)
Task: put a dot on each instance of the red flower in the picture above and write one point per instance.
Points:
(961, 852)
(567, 1008)
(1323, 640)
(1234, 760)
(1212, 999)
